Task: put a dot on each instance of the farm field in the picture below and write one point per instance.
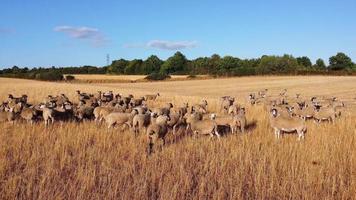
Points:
(88, 161)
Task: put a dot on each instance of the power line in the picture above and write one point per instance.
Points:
(107, 59)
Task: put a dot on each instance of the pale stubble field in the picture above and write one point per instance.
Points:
(87, 161)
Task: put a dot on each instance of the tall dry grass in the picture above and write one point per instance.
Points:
(87, 161)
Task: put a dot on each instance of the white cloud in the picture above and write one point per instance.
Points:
(163, 44)
(93, 35)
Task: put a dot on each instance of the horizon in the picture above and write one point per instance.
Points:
(39, 35)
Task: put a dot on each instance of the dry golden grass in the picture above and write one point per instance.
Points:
(87, 161)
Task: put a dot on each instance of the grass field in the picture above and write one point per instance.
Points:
(87, 161)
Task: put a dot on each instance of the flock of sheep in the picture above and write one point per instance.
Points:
(287, 114)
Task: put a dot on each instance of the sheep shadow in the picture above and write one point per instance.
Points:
(225, 130)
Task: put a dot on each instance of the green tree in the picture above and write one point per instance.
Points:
(304, 61)
(227, 64)
(340, 61)
(134, 67)
(152, 64)
(277, 65)
(319, 64)
(177, 63)
(117, 66)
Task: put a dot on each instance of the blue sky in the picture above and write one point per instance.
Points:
(77, 32)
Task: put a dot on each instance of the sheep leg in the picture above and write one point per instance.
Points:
(150, 146)
(242, 127)
(232, 129)
(300, 135)
(217, 133)
(277, 133)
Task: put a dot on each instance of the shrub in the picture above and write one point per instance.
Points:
(69, 78)
(191, 76)
(49, 76)
(157, 76)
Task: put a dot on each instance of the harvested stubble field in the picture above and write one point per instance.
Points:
(87, 161)
(104, 78)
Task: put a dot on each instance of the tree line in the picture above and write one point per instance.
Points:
(213, 65)
(231, 66)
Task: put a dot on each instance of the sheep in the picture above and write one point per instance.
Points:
(286, 124)
(163, 110)
(29, 114)
(63, 113)
(305, 112)
(107, 96)
(3, 106)
(226, 102)
(183, 109)
(202, 127)
(239, 121)
(141, 121)
(101, 112)
(203, 104)
(175, 120)
(252, 99)
(141, 109)
(8, 115)
(22, 99)
(82, 96)
(233, 122)
(118, 118)
(16, 107)
(325, 113)
(283, 93)
(262, 93)
(98, 95)
(152, 97)
(136, 102)
(84, 112)
(155, 131)
(233, 109)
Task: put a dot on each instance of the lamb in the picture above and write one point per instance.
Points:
(117, 118)
(286, 124)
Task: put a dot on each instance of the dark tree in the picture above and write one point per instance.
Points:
(177, 63)
(340, 61)
(304, 61)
